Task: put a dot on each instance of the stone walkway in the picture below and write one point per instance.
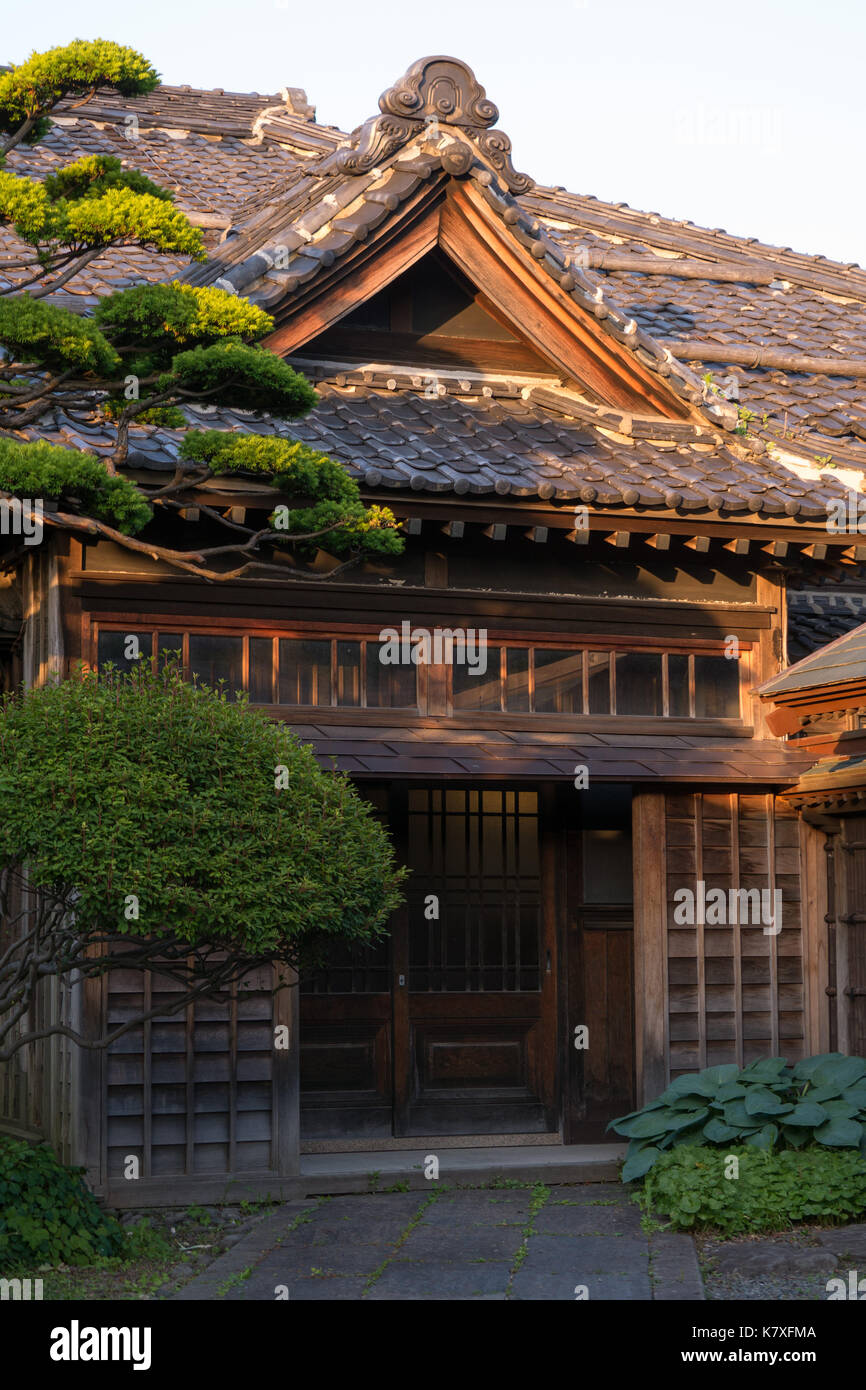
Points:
(582, 1241)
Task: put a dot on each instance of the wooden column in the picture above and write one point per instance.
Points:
(851, 935)
(286, 1084)
(816, 964)
(650, 943)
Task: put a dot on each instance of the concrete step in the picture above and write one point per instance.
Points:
(404, 1170)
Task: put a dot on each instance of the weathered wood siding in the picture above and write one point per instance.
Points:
(195, 1097)
(734, 992)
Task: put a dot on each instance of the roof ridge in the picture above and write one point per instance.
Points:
(681, 235)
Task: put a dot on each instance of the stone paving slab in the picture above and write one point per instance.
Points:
(535, 1243)
(434, 1279)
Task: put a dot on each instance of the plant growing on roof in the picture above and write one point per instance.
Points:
(168, 828)
(144, 354)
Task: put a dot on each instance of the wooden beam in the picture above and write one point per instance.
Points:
(738, 547)
(620, 539)
(496, 532)
(578, 537)
(337, 294)
(650, 944)
(557, 326)
(238, 515)
(453, 529)
(660, 541)
(412, 526)
(699, 543)
(815, 552)
(537, 534)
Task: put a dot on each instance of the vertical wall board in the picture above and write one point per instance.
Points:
(736, 992)
(650, 931)
(286, 1083)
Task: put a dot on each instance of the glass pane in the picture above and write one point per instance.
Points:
(261, 670)
(389, 687)
(215, 659)
(558, 682)
(598, 680)
(717, 687)
(638, 683)
(123, 649)
(474, 689)
(606, 843)
(517, 678)
(305, 672)
(348, 673)
(678, 685)
(169, 646)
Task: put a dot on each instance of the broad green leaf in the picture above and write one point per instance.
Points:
(718, 1132)
(806, 1112)
(764, 1139)
(839, 1133)
(640, 1164)
(807, 1066)
(762, 1101)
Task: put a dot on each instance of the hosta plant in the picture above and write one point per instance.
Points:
(766, 1105)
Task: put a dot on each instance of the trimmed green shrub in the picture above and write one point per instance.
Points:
(767, 1105)
(693, 1187)
(47, 1215)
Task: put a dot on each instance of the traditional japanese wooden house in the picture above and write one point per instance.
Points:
(608, 435)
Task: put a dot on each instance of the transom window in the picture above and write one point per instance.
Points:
(315, 671)
(553, 680)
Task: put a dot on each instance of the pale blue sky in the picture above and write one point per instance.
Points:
(749, 115)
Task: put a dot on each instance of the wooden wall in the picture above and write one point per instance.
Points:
(198, 1097)
(709, 994)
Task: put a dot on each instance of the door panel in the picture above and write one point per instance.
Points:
(478, 1016)
(600, 964)
(345, 1047)
(463, 1040)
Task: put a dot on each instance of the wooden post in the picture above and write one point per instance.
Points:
(814, 926)
(287, 1084)
(851, 935)
(650, 943)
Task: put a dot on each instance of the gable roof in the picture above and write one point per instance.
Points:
(839, 663)
(259, 172)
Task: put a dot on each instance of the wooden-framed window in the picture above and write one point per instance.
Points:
(311, 668)
(306, 671)
(642, 683)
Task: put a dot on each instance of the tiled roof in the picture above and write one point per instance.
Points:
(839, 662)
(434, 751)
(258, 171)
(483, 437)
(814, 619)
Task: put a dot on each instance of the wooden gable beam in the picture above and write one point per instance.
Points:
(482, 247)
(352, 282)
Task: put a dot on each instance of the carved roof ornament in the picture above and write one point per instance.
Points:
(441, 89)
(436, 91)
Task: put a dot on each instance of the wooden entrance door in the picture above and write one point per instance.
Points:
(600, 964)
(464, 1039)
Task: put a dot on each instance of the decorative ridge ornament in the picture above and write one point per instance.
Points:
(443, 89)
(436, 91)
